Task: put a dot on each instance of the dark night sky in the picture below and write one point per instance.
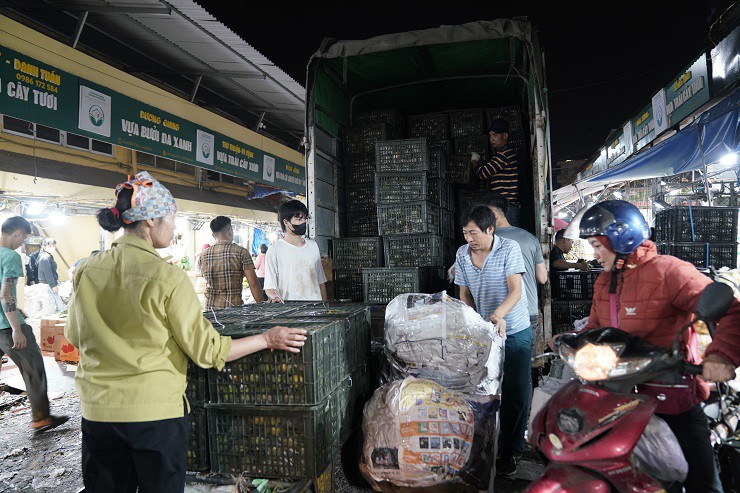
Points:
(622, 51)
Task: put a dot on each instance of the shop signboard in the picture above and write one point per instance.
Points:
(726, 62)
(644, 128)
(659, 112)
(40, 93)
(687, 92)
(616, 151)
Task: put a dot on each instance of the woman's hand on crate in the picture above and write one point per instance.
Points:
(289, 339)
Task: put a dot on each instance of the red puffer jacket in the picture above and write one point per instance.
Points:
(656, 296)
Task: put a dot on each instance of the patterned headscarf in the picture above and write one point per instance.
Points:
(150, 199)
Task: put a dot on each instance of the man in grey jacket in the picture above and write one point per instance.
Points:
(47, 269)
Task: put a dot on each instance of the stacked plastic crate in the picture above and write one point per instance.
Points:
(278, 414)
(435, 128)
(705, 236)
(359, 150)
(572, 292)
(409, 221)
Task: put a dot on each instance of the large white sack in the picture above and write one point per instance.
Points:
(38, 301)
(440, 338)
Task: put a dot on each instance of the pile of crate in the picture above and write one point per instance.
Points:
(278, 414)
(705, 236)
(572, 292)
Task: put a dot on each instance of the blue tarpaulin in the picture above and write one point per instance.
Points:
(714, 134)
(259, 238)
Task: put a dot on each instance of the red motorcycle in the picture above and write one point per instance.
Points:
(598, 436)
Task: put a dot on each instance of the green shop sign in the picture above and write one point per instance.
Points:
(31, 90)
(644, 128)
(687, 92)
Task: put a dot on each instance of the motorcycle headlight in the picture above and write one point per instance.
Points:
(594, 362)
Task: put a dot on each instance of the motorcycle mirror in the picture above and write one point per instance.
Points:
(714, 302)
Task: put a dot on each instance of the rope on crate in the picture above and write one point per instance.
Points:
(216, 319)
(693, 233)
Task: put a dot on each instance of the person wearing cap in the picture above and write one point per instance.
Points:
(653, 297)
(16, 336)
(501, 172)
(136, 321)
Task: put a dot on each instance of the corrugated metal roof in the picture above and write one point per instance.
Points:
(175, 48)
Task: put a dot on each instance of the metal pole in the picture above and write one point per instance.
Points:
(704, 165)
(78, 28)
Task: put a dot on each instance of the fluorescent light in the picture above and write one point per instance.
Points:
(35, 208)
(729, 159)
(58, 217)
(617, 195)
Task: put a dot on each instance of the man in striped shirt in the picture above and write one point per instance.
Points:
(501, 172)
(489, 271)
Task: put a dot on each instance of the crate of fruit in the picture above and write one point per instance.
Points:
(286, 442)
(390, 116)
(381, 285)
(439, 192)
(408, 218)
(197, 389)
(574, 284)
(414, 250)
(359, 169)
(357, 335)
(449, 224)
(517, 141)
(437, 163)
(467, 122)
(470, 144)
(198, 445)
(281, 377)
(348, 284)
(360, 197)
(512, 114)
(703, 255)
(568, 311)
(697, 224)
(363, 224)
(459, 170)
(466, 198)
(402, 155)
(355, 253)
(361, 139)
(432, 126)
(394, 187)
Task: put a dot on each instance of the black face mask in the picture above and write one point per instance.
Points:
(298, 229)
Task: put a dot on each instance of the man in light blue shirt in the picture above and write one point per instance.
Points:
(489, 271)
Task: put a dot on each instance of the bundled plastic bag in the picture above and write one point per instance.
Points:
(416, 434)
(38, 301)
(440, 338)
(659, 453)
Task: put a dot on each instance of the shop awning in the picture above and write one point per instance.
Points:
(714, 134)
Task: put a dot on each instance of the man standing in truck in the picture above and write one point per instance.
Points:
(501, 172)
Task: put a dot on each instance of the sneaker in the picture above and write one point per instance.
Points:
(47, 424)
(506, 466)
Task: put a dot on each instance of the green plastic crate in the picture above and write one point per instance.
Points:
(277, 441)
(281, 377)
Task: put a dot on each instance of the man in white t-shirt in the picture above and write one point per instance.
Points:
(293, 268)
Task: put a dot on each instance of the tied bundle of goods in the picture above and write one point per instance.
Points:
(416, 434)
(440, 338)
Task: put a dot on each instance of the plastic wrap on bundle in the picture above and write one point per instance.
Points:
(416, 434)
(440, 338)
(659, 452)
(38, 301)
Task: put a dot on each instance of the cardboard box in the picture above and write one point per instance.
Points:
(63, 349)
(47, 330)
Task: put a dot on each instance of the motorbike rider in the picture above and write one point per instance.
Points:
(653, 297)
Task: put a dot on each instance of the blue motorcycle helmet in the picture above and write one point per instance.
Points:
(618, 220)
